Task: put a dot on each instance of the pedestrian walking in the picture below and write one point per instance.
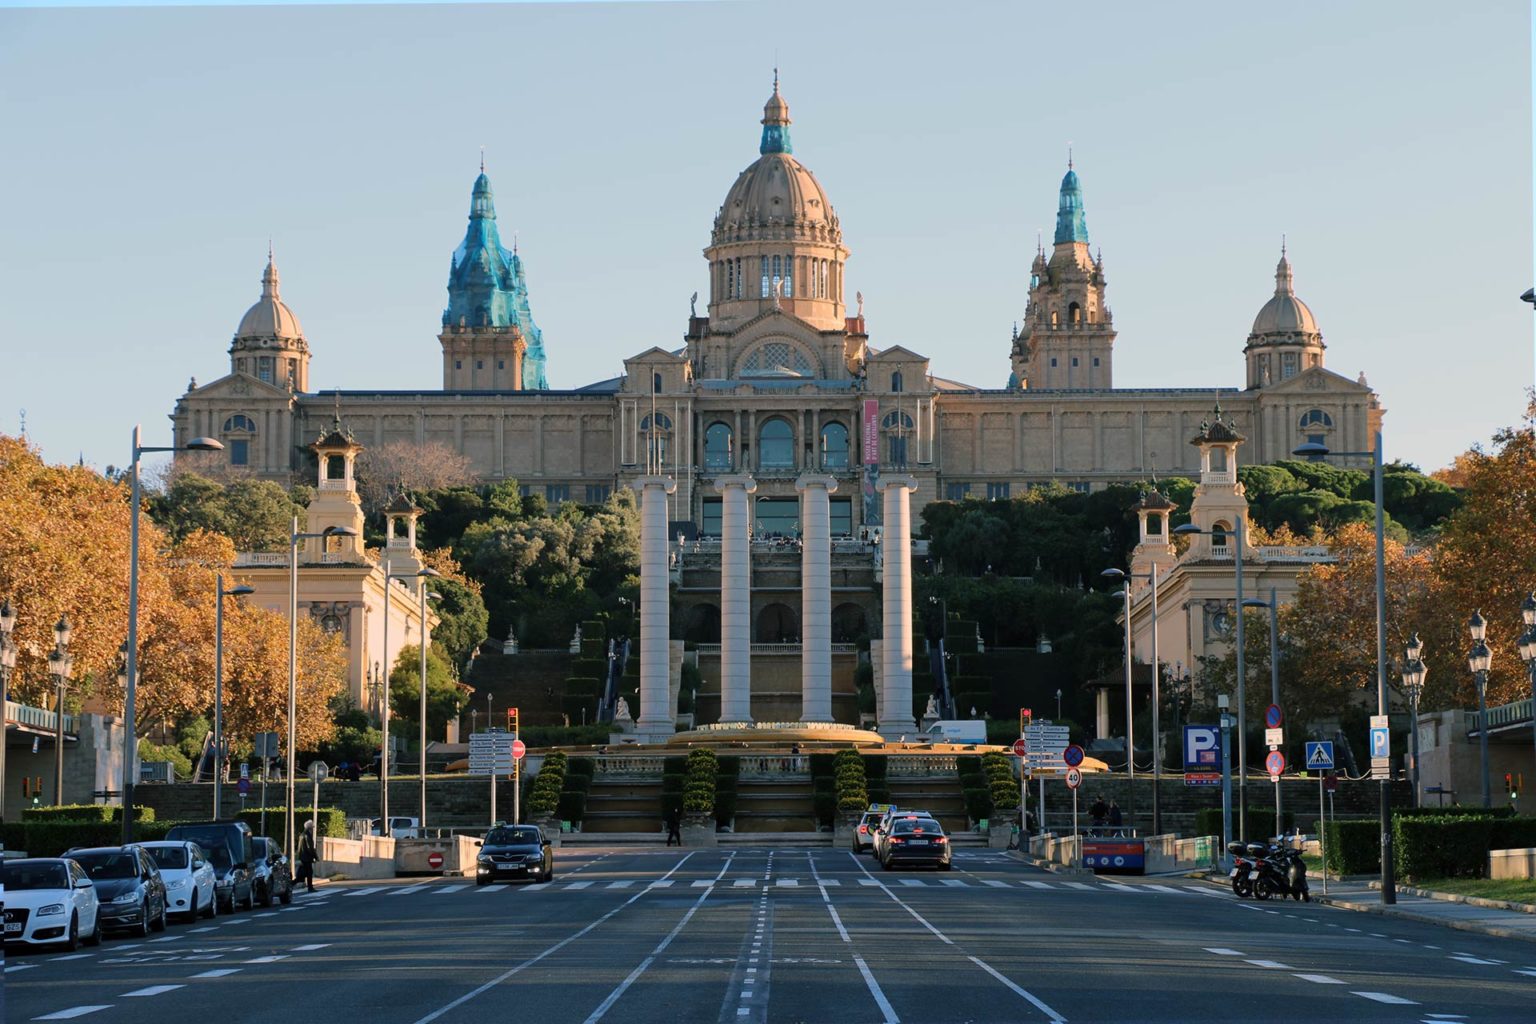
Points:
(1115, 819)
(1099, 811)
(307, 856)
(674, 826)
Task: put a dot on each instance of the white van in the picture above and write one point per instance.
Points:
(957, 731)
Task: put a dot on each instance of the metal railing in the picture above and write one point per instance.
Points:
(38, 718)
(1517, 713)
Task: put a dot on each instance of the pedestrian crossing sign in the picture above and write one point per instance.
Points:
(1320, 756)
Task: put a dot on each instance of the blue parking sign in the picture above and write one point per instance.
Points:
(1381, 744)
(1202, 747)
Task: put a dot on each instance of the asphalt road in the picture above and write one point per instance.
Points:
(784, 935)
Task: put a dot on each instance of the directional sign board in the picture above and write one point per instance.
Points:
(1273, 717)
(1320, 756)
(1044, 745)
(1274, 764)
(491, 753)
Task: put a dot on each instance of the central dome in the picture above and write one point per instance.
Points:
(270, 317)
(1284, 313)
(776, 197)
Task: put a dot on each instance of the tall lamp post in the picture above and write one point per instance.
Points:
(1528, 653)
(423, 594)
(1318, 452)
(419, 576)
(1414, 674)
(1157, 735)
(1478, 661)
(1240, 535)
(290, 752)
(59, 664)
(1274, 671)
(131, 662)
(218, 683)
(1124, 594)
(7, 664)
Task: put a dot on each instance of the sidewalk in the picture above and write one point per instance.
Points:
(1486, 917)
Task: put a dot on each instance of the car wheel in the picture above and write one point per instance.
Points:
(94, 939)
(267, 897)
(250, 897)
(192, 914)
(142, 928)
(159, 922)
(212, 909)
(72, 941)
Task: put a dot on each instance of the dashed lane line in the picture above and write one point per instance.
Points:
(151, 990)
(218, 972)
(1319, 979)
(74, 1011)
(1383, 997)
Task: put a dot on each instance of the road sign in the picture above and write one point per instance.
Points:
(1020, 748)
(243, 786)
(245, 770)
(1274, 738)
(491, 753)
(434, 860)
(1331, 783)
(518, 750)
(1275, 764)
(1202, 778)
(1073, 756)
(1074, 778)
(1320, 756)
(1381, 742)
(1273, 717)
(319, 771)
(268, 744)
(1202, 747)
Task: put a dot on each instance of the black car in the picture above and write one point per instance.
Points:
(916, 841)
(518, 851)
(228, 845)
(129, 888)
(271, 878)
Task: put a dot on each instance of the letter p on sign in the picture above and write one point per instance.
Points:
(1202, 746)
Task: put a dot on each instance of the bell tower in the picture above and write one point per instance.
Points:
(335, 504)
(1154, 546)
(1220, 504)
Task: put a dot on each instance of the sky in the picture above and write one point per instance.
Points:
(149, 153)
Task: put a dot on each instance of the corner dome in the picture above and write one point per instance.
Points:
(1284, 313)
(270, 317)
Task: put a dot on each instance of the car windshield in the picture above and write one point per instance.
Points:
(17, 877)
(218, 856)
(107, 864)
(512, 836)
(169, 857)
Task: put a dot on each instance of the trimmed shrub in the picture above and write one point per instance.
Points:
(333, 820)
(544, 793)
(51, 838)
(1441, 847)
(1512, 834)
(699, 782)
(1453, 812)
(874, 766)
(978, 803)
(1005, 797)
(1354, 847)
(13, 836)
(824, 806)
(572, 805)
(85, 812)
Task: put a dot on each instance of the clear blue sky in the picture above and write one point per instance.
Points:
(149, 154)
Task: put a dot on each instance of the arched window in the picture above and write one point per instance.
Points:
(1075, 313)
(657, 438)
(897, 425)
(730, 279)
(834, 446)
(776, 445)
(241, 427)
(1220, 531)
(1055, 319)
(1312, 419)
(240, 421)
(777, 359)
(766, 292)
(335, 467)
(719, 453)
(896, 381)
(1218, 460)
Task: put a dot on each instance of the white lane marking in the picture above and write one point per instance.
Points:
(888, 1014)
(701, 883)
(994, 883)
(513, 971)
(1319, 979)
(1040, 885)
(73, 1012)
(1463, 958)
(166, 938)
(789, 883)
(1531, 973)
(152, 990)
(582, 885)
(1446, 1016)
(744, 883)
(371, 890)
(19, 967)
(1273, 965)
(269, 913)
(1222, 951)
(1428, 946)
(1374, 935)
(407, 890)
(498, 887)
(268, 959)
(208, 928)
(70, 956)
(913, 882)
(311, 947)
(1080, 885)
(233, 920)
(869, 881)
(1408, 941)
(451, 888)
(1355, 930)
(958, 883)
(1159, 888)
(536, 886)
(1382, 997)
(222, 972)
(666, 884)
(623, 883)
(1055, 1017)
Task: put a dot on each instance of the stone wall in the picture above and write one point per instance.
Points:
(460, 802)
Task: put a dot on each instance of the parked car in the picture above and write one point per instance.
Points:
(48, 901)
(864, 834)
(128, 887)
(188, 876)
(916, 841)
(399, 828)
(228, 846)
(272, 877)
(514, 851)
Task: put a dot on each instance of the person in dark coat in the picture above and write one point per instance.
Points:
(307, 856)
(1115, 820)
(1099, 811)
(674, 827)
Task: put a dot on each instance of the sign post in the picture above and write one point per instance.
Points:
(1075, 779)
(518, 750)
(1021, 751)
(1226, 775)
(319, 771)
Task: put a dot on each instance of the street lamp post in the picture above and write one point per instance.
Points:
(1528, 653)
(1157, 735)
(423, 594)
(1320, 451)
(218, 683)
(291, 751)
(1478, 661)
(1130, 730)
(7, 663)
(131, 663)
(1414, 673)
(419, 576)
(1274, 671)
(59, 663)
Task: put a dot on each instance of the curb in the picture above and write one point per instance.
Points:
(1045, 865)
(1471, 901)
(1479, 927)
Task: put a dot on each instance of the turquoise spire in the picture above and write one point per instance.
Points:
(775, 123)
(486, 286)
(1071, 225)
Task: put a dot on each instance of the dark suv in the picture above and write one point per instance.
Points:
(229, 849)
(129, 889)
(272, 878)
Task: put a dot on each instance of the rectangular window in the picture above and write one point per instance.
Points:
(264, 368)
(898, 450)
(479, 364)
(458, 364)
(1288, 365)
(597, 493)
(1074, 360)
(997, 491)
(1095, 360)
(526, 490)
(956, 492)
(1080, 486)
(842, 517)
(501, 364)
(1053, 360)
(777, 517)
(556, 493)
(710, 524)
(239, 453)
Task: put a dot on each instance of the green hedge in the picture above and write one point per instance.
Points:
(1354, 846)
(1441, 847)
(333, 821)
(85, 812)
(1513, 834)
(1453, 812)
(852, 787)
(52, 838)
(544, 793)
(572, 805)
(699, 782)
(978, 803)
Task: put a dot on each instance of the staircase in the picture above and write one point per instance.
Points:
(623, 806)
(776, 805)
(531, 681)
(940, 797)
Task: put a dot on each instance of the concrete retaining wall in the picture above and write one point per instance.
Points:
(1511, 864)
(370, 857)
(458, 853)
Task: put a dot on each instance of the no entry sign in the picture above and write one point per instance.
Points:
(434, 860)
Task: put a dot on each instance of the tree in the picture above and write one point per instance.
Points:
(255, 514)
(397, 466)
(462, 618)
(445, 695)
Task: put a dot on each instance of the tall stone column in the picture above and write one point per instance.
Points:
(656, 722)
(735, 598)
(896, 607)
(815, 597)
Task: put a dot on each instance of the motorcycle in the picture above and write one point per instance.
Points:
(1282, 873)
(1242, 870)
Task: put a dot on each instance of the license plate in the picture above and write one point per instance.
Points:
(13, 927)
(919, 842)
(1232, 873)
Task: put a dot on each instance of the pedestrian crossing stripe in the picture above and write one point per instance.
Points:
(761, 885)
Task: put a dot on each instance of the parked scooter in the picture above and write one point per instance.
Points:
(1281, 872)
(1242, 870)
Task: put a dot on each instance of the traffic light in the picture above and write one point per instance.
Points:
(1025, 717)
(512, 721)
(1512, 785)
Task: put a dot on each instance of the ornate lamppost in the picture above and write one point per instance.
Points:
(1478, 661)
(1414, 673)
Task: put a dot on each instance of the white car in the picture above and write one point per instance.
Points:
(399, 828)
(49, 901)
(188, 875)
